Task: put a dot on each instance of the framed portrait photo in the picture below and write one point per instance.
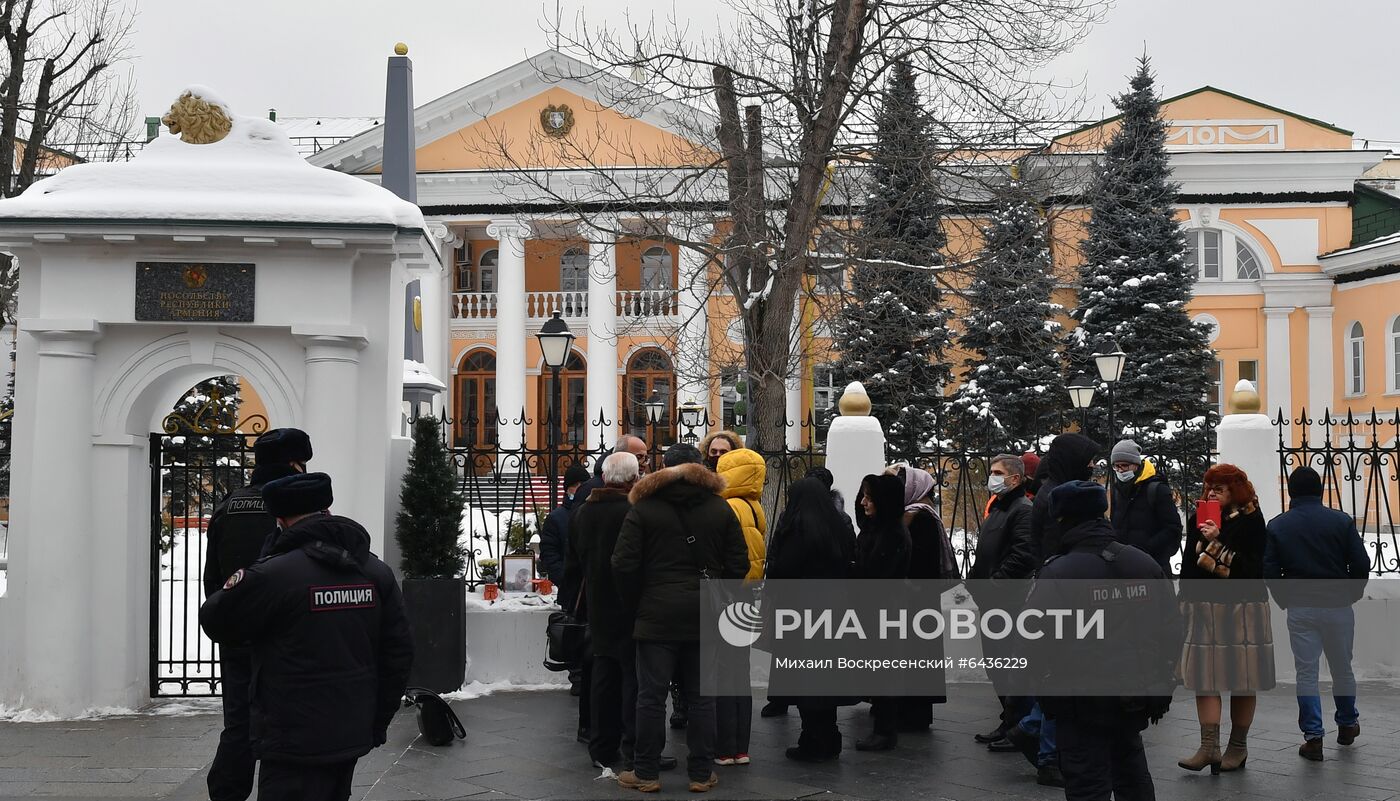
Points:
(517, 571)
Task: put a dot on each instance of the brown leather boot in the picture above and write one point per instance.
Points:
(1237, 751)
(1209, 752)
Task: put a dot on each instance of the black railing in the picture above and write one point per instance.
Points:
(507, 492)
(1358, 458)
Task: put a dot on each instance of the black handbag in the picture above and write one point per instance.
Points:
(438, 724)
(566, 639)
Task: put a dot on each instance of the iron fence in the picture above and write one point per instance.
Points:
(1357, 457)
(508, 492)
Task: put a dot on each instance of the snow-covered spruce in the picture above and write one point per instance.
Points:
(1013, 382)
(893, 329)
(1135, 282)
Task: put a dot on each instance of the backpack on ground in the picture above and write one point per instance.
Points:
(437, 722)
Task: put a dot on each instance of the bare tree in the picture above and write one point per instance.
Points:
(777, 110)
(62, 82)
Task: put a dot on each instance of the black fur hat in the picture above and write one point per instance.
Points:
(301, 494)
(282, 446)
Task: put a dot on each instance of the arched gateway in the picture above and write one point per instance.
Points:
(137, 281)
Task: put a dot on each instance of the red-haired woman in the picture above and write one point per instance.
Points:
(1229, 644)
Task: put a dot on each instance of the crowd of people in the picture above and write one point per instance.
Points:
(637, 544)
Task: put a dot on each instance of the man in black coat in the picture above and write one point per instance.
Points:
(239, 530)
(1143, 512)
(1317, 567)
(1070, 457)
(1005, 558)
(1100, 713)
(331, 647)
(678, 531)
(614, 690)
(554, 553)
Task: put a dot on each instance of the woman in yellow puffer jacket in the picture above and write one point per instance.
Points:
(743, 471)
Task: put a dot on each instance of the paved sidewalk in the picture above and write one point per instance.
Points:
(521, 746)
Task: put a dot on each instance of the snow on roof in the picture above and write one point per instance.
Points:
(253, 175)
(311, 135)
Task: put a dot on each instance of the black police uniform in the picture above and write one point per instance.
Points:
(237, 531)
(331, 654)
(1100, 732)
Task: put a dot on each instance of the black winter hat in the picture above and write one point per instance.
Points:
(823, 475)
(682, 453)
(1304, 483)
(282, 446)
(301, 494)
(1078, 500)
(576, 474)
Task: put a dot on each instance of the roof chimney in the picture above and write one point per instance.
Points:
(152, 128)
(272, 114)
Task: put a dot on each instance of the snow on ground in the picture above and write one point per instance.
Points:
(478, 689)
(185, 707)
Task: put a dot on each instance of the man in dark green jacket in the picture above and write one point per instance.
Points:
(679, 531)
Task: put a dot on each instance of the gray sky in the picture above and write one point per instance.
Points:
(326, 57)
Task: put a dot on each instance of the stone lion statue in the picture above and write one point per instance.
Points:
(196, 120)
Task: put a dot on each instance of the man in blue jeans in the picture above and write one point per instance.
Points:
(1316, 567)
(1035, 737)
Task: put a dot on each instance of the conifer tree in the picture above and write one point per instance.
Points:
(1013, 382)
(892, 330)
(430, 515)
(1135, 282)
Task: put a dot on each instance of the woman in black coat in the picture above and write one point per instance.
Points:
(812, 541)
(883, 550)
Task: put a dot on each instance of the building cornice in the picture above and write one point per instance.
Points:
(1296, 290)
(1378, 254)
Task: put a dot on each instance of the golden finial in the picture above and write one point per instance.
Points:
(854, 402)
(196, 120)
(400, 49)
(1246, 399)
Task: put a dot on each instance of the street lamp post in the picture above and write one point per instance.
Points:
(691, 413)
(656, 409)
(555, 341)
(1081, 394)
(1110, 362)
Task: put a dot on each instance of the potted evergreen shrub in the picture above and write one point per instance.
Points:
(427, 527)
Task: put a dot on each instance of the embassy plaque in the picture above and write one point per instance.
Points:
(200, 292)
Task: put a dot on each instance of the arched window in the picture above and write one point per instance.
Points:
(573, 382)
(486, 271)
(573, 271)
(1356, 360)
(656, 268)
(1395, 354)
(1218, 254)
(1246, 264)
(476, 399)
(649, 372)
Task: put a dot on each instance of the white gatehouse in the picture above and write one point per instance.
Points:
(139, 280)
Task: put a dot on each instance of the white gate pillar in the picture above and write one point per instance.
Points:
(693, 340)
(330, 408)
(53, 559)
(855, 444)
(1248, 440)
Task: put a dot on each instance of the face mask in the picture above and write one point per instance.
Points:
(1125, 475)
(995, 484)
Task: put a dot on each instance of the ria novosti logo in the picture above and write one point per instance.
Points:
(740, 624)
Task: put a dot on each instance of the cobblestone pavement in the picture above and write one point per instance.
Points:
(521, 746)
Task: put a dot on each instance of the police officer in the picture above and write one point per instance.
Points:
(238, 531)
(1101, 713)
(330, 643)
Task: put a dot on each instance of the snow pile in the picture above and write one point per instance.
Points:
(253, 175)
(481, 689)
(417, 374)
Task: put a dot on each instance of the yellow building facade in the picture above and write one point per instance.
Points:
(1301, 301)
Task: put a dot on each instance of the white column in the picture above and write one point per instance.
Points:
(53, 564)
(693, 340)
(1278, 388)
(330, 409)
(1321, 357)
(510, 330)
(797, 362)
(602, 383)
(1250, 442)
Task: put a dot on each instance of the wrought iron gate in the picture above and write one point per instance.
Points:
(195, 461)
